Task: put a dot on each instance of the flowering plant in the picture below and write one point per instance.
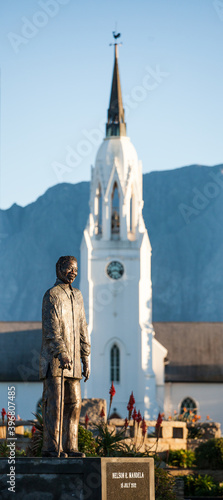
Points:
(130, 405)
(86, 420)
(112, 392)
(158, 424)
(102, 413)
(3, 413)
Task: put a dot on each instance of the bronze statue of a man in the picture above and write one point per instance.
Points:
(64, 344)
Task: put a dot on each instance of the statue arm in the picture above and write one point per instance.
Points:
(84, 340)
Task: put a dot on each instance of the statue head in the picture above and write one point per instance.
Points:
(67, 268)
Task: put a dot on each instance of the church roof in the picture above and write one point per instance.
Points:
(195, 351)
(20, 344)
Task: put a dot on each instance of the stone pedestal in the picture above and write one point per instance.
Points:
(78, 479)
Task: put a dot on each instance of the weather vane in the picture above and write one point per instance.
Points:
(115, 36)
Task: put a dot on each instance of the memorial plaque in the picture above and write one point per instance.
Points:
(127, 478)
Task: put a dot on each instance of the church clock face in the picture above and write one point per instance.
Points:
(115, 270)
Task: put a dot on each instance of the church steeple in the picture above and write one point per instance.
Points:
(116, 125)
(116, 271)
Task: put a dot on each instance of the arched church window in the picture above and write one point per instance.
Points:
(188, 406)
(115, 364)
(115, 218)
(98, 211)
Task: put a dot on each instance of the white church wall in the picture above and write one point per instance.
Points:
(27, 395)
(147, 333)
(159, 354)
(114, 322)
(207, 396)
(145, 285)
(84, 268)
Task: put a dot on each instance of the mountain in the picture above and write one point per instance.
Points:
(183, 212)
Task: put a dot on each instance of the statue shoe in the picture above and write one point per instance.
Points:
(63, 454)
(76, 454)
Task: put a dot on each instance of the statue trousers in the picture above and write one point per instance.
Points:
(71, 408)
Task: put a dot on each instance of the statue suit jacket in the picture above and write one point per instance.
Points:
(64, 329)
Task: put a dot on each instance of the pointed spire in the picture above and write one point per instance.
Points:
(116, 116)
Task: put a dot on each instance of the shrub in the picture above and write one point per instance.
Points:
(5, 452)
(195, 431)
(4, 449)
(109, 442)
(164, 485)
(196, 485)
(181, 458)
(202, 430)
(86, 442)
(210, 454)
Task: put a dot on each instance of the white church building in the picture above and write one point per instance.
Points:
(116, 274)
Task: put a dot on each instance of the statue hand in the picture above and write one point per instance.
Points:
(65, 362)
(86, 369)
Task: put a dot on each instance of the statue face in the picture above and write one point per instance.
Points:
(69, 271)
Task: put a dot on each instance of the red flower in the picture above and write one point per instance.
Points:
(134, 415)
(112, 392)
(126, 423)
(33, 430)
(129, 408)
(86, 421)
(3, 412)
(139, 417)
(159, 422)
(130, 404)
(102, 414)
(132, 399)
(143, 427)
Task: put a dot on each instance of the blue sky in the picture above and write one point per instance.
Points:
(56, 71)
